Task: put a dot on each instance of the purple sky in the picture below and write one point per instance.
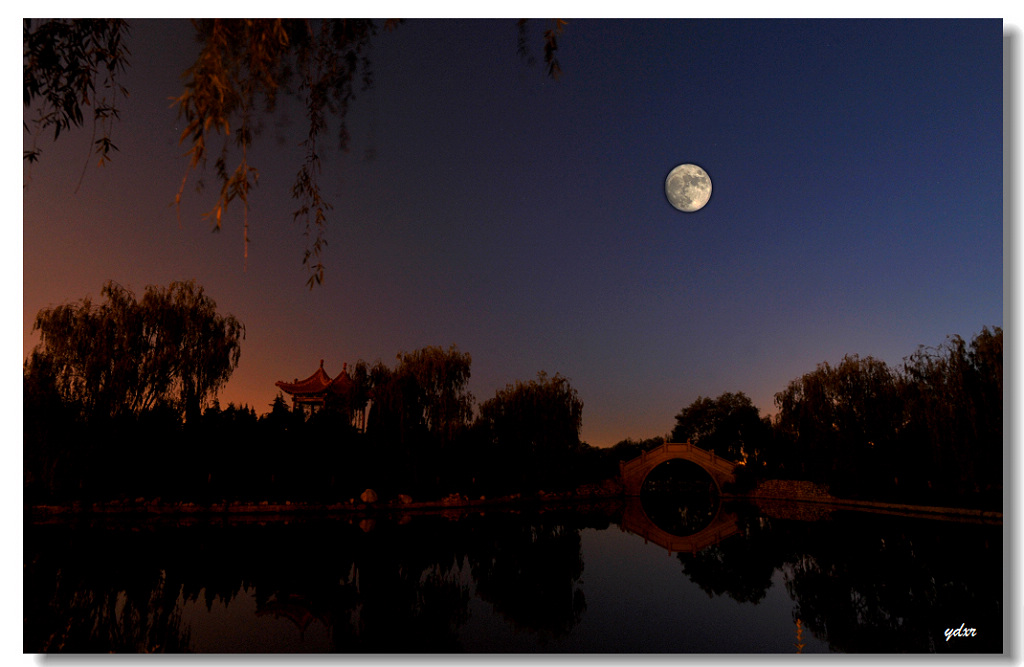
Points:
(857, 208)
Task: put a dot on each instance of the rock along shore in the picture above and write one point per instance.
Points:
(766, 491)
(779, 490)
(156, 506)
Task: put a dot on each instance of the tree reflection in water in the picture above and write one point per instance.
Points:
(865, 583)
(896, 591)
(397, 588)
(102, 600)
(739, 567)
(531, 574)
(859, 582)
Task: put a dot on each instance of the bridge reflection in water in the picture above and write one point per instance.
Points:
(723, 524)
(678, 522)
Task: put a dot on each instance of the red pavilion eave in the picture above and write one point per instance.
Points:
(313, 390)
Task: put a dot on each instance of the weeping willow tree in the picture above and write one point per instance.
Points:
(954, 412)
(242, 69)
(124, 356)
(533, 430)
(932, 426)
(424, 397)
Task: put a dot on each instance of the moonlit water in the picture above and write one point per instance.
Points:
(551, 581)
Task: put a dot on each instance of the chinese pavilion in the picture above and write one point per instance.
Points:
(313, 393)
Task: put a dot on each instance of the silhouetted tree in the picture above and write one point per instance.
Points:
(627, 449)
(425, 395)
(729, 426)
(49, 429)
(359, 393)
(440, 378)
(125, 356)
(932, 428)
(280, 417)
(953, 413)
(533, 430)
(843, 422)
(419, 411)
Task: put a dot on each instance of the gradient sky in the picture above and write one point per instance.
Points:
(857, 208)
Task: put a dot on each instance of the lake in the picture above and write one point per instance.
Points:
(609, 577)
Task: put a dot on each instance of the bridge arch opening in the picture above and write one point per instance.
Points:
(678, 476)
(680, 497)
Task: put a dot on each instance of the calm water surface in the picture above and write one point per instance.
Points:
(702, 578)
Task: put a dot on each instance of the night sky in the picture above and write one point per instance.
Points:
(857, 208)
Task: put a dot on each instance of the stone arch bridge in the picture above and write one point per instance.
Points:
(634, 472)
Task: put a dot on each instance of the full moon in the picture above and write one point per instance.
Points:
(688, 187)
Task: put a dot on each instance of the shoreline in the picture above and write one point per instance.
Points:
(820, 496)
(157, 508)
(896, 509)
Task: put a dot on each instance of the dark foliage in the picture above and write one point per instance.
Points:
(729, 426)
(69, 65)
(170, 349)
(531, 432)
(405, 429)
(931, 431)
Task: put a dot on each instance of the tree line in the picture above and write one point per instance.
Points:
(927, 430)
(120, 401)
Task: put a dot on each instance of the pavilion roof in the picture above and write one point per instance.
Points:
(314, 384)
(342, 382)
(317, 383)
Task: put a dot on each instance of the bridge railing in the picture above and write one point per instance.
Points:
(667, 448)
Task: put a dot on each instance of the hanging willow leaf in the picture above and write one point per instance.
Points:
(242, 67)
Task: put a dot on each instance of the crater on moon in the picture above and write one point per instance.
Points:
(688, 187)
